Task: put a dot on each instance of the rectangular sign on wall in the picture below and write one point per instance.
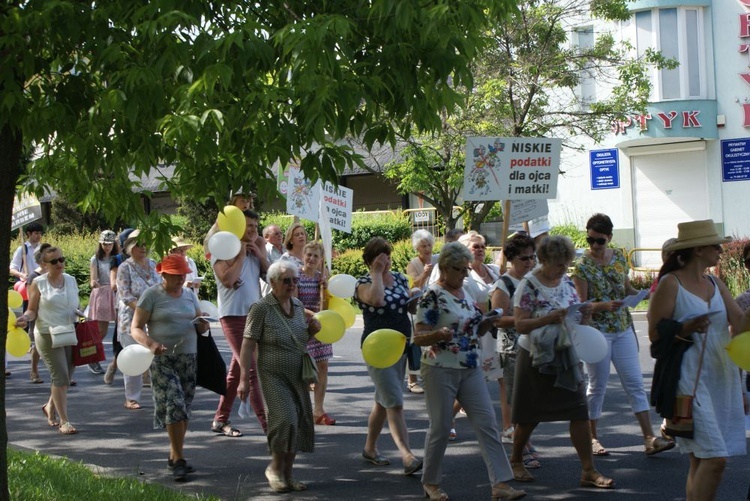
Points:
(605, 169)
(735, 159)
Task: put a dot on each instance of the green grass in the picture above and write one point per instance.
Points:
(36, 477)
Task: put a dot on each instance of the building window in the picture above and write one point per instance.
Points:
(678, 34)
(584, 40)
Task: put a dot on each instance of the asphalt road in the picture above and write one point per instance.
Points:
(121, 442)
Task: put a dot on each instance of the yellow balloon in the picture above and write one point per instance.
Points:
(14, 299)
(11, 319)
(739, 350)
(343, 308)
(383, 348)
(232, 219)
(332, 326)
(18, 342)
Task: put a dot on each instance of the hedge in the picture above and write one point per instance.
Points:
(393, 226)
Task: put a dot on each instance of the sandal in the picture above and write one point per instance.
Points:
(530, 462)
(295, 486)
(597, 449)
(132, 405)
(598, 481)
(434, 492)
(520, 472)
(51, 420)
(655, 445)
(67, 429)
(532, 450)
(35, 379)
(452, 435)
(276, 482)
(226, 429)
(325, 419)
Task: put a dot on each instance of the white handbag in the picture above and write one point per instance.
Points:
(63, 335)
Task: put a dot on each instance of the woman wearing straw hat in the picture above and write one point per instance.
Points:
(697, 308)
(192, 280)
(134, 276)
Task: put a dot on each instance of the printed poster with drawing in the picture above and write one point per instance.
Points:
(303, 197)
(516, 168)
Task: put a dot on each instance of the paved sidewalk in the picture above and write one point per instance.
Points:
(121, 442)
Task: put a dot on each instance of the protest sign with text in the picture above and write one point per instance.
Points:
(517, 168)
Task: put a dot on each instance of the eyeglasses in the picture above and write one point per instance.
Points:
(56, 260)
(290, 280)
(466, 269)
(598, 241)
(527, 258)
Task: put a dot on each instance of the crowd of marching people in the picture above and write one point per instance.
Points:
(466, 323)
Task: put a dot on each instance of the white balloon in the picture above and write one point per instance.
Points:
(342, 285)
(210, 308)
(224, 245)
(134, 360)
(589, 343)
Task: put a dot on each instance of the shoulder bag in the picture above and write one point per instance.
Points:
(211, 370)
(63, 335)
(309, 367)
(681, 424)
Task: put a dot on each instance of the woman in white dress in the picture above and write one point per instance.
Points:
(684, 291)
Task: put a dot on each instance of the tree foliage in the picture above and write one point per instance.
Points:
(104, 93)
(528, 83)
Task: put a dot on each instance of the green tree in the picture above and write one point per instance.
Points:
(104, 93)
(528, 83)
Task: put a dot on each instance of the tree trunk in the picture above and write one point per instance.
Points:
(10, 166)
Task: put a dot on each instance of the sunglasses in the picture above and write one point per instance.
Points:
(290, 280)
(598, 241)
(527, 258)
(56, 260)
(466, 269)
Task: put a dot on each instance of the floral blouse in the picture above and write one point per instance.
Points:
(132, 281)
(606, 283)
(529, 297)
(439, 308)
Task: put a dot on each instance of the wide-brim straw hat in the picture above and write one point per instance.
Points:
(696, 234)
(131, 241)
(180, 243)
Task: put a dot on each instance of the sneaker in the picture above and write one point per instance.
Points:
(415, 388)
(171, 464)
(180, 471)
(109, 376)
(96, 368)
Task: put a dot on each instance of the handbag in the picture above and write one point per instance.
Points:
(681, 423)
(89, 349)
(309, 367)
(63, 335)
(211, 370)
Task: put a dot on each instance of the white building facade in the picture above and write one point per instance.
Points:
(688, 157)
